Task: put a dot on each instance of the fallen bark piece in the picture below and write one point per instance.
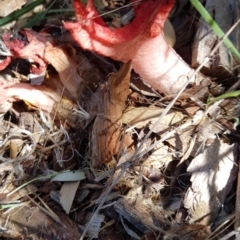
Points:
(28, 222)
(142, 42)
(106, 135)
(190, 232)
(213, 173)
(141, 211)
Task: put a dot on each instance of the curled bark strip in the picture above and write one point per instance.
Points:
(106, 132)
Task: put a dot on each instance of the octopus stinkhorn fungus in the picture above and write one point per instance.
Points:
(39, 96)
(41, 50)
(28, 45)
(142, 42)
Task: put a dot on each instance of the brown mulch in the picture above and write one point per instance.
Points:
(131, 177)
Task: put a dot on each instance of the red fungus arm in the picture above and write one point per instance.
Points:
(33, 47)
(4, 63)
(39, 96)
(40, 49)
(91, 32)
(142, 41)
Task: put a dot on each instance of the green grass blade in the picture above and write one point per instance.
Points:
(38, 17)
(41, 15)
(18, 13)
(65, 10)
(10, 205)
(215, 27)
(226, 95)
(35, 20)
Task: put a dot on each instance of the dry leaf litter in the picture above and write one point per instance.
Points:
(90, 152)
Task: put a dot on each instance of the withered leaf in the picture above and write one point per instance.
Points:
(142, 116)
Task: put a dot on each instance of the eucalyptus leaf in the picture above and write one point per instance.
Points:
(69, 176)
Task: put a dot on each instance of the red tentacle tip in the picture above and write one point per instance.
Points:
(4, 62)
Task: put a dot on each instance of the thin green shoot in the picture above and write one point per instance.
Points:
(215, 27)
(231, 94)
(38, 17)
(10, 205)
